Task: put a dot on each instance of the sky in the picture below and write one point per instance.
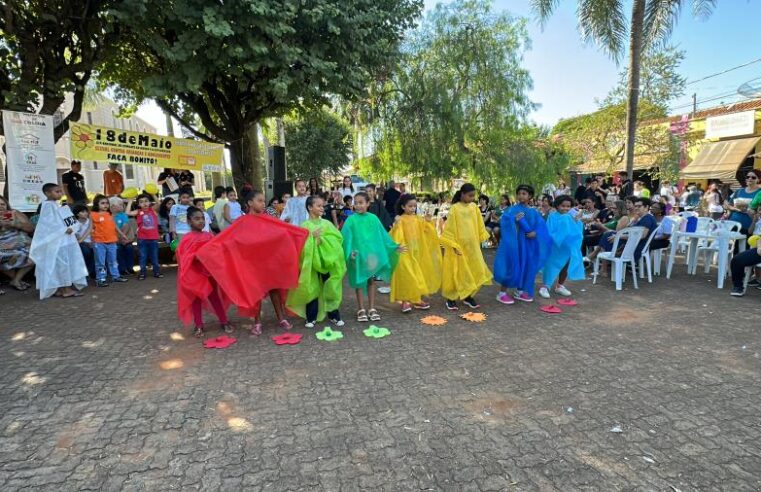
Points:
(570, 76)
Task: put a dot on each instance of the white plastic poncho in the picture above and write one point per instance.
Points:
(58, 259)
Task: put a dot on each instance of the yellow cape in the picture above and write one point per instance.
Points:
(465, 273)
(419, 270)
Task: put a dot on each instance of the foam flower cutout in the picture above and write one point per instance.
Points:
(376, 332)
(287, 338)
(567, 302)
(474, 317)
(551, 309)
(328, 335)
(434, 321)
(219, 342)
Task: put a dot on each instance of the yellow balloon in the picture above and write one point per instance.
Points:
(753, 241)
(151, 188)
(130, 193)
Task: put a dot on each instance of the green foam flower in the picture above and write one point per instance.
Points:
(376, 332)
(328, 335)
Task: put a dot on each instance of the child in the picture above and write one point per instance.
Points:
(125, 253)
(295, 211)
(419, 270)
(196, 288)
(178, 217)
(105, 235)
(232, 210)
(564, 259)
(255, 257)
(464, 271)
(55, 250)
(147, 235)
(370, 254)
(198, 203)
(322, 269)
(166, 205)
(84, 237)
(347, 209)
(523, 249)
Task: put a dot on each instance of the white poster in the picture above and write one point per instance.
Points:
(731, 125)
(30, 156)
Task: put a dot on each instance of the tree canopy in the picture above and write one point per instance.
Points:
(236, 62)
(319, 141)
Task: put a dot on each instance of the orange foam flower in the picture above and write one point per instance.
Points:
(434, 320)
(474, 317)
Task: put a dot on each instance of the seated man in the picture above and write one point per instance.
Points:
(662, 237)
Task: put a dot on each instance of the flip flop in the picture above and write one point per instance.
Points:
(73, 294)
(551, 309)
(567, 302)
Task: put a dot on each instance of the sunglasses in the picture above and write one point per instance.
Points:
(751, 176)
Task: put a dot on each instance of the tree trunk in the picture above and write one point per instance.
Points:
(246, 158)
(169, 124)
(635, 54)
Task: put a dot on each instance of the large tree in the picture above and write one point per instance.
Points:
(319, 141)
(234, 63)
(457, 104)
(605, 23)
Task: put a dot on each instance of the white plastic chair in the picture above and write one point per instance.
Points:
(645, 261)
(710, 250)
(687, 214)
(618, 264)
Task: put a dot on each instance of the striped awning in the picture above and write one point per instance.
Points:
(720, 160)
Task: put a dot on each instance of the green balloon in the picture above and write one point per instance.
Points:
(173, 245)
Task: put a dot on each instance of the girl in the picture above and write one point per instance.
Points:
(164, 208)
(105, 235)
(295, 211)
(147, 236)
(523, 250)
(232, 210)
(370, 254)
(464, 271)
(125, 252)
(347, 187)
(419, 271)
(255, 257)
(83, 235)
(196, 288)
(714, 202)
(565, 258)
(322, 269)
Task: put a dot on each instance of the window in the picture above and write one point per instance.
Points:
(89, 118)
(129, 171)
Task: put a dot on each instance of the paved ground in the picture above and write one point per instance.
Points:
(108, 392)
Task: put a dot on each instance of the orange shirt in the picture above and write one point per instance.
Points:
(113, 182)
(103, 227)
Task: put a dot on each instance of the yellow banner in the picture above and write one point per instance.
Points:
(103, 144)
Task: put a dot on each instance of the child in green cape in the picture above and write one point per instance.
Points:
(369, 252)
(322, 269)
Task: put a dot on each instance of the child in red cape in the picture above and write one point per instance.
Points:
(196, 289)
(254, 257)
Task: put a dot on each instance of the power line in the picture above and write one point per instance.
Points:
(709, 99)
(724, 71)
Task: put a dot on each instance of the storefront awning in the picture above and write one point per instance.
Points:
(720, 160)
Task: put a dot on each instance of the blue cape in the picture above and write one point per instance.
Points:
(519, 259)
(567, 235)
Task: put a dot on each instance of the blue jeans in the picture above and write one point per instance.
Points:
(105, 256)
(149, 249)
(125, 255)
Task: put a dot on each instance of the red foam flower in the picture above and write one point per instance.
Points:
(287, 338)
(219, 342)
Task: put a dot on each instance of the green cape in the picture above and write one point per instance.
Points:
(325, 258)
(376, 251)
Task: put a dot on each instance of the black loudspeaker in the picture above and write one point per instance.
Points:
(276, 168)
(280, 187)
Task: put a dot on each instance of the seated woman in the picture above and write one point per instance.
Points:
(588, 214)
(662, 238)
(15, 239)
(623, 214)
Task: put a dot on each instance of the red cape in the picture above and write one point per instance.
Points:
(193, 280)
(253, 256)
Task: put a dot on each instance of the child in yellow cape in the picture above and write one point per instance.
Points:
(418, 273)
(464, 270)
(322, 269)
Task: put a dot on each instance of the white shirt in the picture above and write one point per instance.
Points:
(295, 210)
(347, 192)
(666, 228)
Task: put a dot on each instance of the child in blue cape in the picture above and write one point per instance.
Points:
(523, 249)
(565, 260)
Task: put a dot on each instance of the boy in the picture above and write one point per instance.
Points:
(178, 217)
(295, 211)
(198, 203)
(55, 249)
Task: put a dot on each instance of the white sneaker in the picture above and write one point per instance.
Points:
(338, 322)
(544, 292)
(561, 290)
(384, 290)
(309, 325)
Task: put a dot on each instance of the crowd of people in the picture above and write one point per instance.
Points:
(412, 243)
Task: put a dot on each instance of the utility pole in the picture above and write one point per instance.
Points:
(694, 103)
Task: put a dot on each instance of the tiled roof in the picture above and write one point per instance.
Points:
(715, 111)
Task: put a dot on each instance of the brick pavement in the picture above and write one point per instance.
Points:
(108, 392)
